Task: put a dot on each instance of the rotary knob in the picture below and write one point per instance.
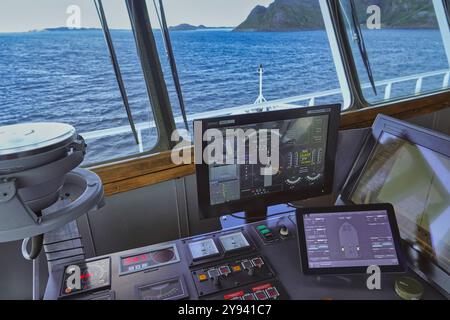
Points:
(284, 231)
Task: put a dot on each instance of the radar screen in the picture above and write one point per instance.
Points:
(302, 148)
(416, 180)
(86, 277)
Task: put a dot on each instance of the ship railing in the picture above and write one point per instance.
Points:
(279, 104)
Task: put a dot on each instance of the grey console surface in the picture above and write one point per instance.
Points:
(229, 267)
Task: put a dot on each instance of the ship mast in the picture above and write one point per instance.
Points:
(260, 98)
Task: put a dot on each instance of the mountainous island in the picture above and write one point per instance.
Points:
(293, 15)
(190, 27)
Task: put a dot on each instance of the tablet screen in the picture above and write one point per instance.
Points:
(349, 239)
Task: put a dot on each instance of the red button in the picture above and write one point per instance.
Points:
(261, 295)
(249, 297)
(272, 293)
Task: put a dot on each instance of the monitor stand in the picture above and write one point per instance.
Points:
(256, 212)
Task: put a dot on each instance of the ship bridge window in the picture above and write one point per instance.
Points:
(405, 51)
(49, 72)
(223, 49)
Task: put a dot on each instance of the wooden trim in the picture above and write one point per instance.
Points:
(149, 170)
(402, 110)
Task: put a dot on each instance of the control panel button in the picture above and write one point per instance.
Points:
(247, 265)
(202, 277)
(260, 228)
(225, 270)
(261, 295)
(236, 268)
(273, 293)
(248, 297)
(258, 262)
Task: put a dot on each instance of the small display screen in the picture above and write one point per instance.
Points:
(416, 180)
(151, 259)
(349, 239)
(142, 258)
(203, 249)
(302, 150)
(234, 241)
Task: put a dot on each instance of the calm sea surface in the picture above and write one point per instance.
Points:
(66, 76)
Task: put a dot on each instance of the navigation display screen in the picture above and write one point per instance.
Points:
(349, 239)
(302, 144)
(416, 181)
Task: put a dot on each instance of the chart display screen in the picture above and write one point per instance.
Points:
(416, 180)
(302, 148)
(349, 239)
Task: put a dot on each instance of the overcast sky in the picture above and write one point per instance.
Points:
(25, 15)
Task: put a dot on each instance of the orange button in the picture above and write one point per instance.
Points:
(203, 277)
(237, 268)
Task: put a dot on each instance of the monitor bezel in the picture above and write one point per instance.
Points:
(202, 170)
(384, 124)
(399, 268)
(432, 140)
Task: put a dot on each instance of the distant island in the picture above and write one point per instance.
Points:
(294, 15)
(190, 27)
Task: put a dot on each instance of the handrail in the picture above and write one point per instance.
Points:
(272, 105)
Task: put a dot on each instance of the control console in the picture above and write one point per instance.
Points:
(259, 261)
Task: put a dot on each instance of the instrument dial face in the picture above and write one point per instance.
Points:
(203, 249)
(234, 241)
(173, 289)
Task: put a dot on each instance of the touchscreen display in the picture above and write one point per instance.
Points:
(349, 239)
(416, 180)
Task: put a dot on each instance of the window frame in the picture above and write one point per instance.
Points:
(155, 166)
(359, 100)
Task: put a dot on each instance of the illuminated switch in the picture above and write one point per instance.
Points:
(202, 277)
(258, 262)
(261, 295)
(261, 228)
(265, 232)
(225, 270)
(236, 268)
(248, 297)
(273, 293)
